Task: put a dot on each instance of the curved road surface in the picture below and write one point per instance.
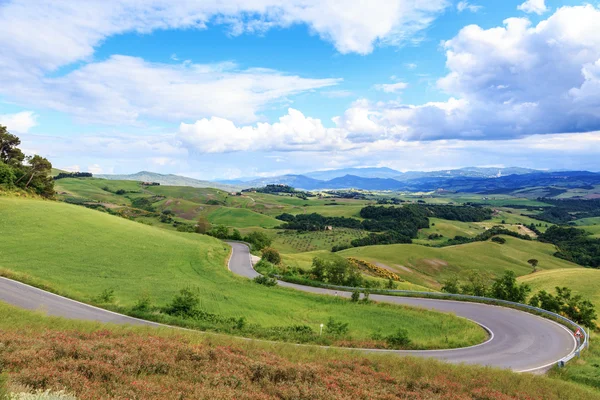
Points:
(520, 341)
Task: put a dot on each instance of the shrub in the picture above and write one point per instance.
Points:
(271, 255)
(336, 328)
(184, 304)
(355, 297)
(507, 288)
(498, 239)
(398, 339)
(265, 281)
(143, 304)
(107, 296)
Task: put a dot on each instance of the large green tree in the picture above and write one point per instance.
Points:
(31, 173)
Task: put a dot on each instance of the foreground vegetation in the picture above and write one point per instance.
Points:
(91, 361)
(138, 269)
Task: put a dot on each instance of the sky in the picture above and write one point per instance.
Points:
(215, 89)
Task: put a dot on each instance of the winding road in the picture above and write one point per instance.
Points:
(518, 340)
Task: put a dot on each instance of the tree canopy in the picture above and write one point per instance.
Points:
(31, 173)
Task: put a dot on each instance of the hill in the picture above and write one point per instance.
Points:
(96, 257)
(584, 281)
(169, 180)
(429, 266)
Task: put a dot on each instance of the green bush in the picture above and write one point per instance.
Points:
(336, 328)
(107, 296)
(271, 255)
(184, 304)
(398, 339)
(498, 239)
(355, 297)
(265, 281)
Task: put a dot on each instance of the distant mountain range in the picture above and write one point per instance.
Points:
(471, 180)
(170, 180)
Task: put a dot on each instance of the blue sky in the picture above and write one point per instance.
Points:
(256, 87)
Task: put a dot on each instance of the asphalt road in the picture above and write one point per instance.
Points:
(520, 341)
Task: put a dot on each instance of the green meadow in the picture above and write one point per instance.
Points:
(80, 253)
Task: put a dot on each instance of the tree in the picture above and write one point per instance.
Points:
(575, 307)
(9, 153)
(37, 176)
(451, 285)
(7, 175)
(203, 226)
(259, 240)
(477, 283)
(271, 255)
(534, 263)
(507, 288)
(220, 232)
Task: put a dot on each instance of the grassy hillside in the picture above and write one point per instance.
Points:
(584, 281)
(82, 252)
(240, 217)
(94, 361)
(428, 265)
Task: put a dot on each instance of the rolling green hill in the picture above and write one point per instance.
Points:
(82, 252)
(584, 281)
(429, 266)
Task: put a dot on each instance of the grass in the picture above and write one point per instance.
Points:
(592, 225)
(584, 281)
(93, 360)
(240, 218)
(428, 266)
(287, 241)
(81, 252)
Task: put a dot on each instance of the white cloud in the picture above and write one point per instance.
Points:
(72, 168)
(66, 32)
(534, 6)
(465, 5)
(392, 87)
(336, 94)
(20, 122)
(294, 131)
(123, 89)
(411, 65)
(95, 169)
(507, 82)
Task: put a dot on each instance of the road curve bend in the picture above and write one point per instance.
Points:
(518, 340)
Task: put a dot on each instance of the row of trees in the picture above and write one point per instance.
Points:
(30, 173)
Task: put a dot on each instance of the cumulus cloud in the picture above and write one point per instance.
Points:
(392, 87)
(294, 131)
(20, 122)
(465, 5)
(122, 89)
(507, 82)
(67, 32)
(533, 6)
